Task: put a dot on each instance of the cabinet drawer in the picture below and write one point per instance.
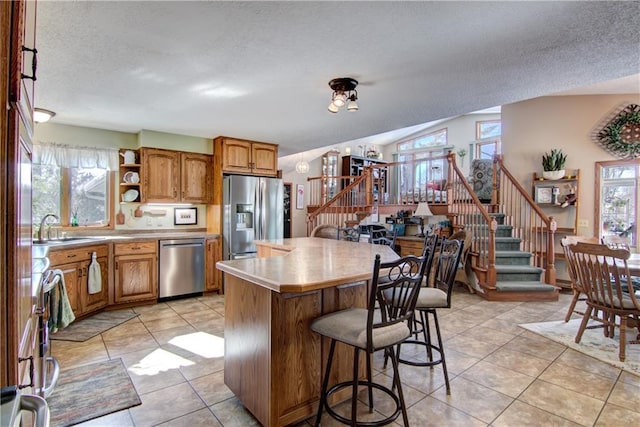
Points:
(132, 248)
(64, 256)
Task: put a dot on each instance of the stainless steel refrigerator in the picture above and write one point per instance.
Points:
(253, 210)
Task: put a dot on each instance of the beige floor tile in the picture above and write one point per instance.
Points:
(130, 327)
(544, 349)
(613, 415)
(201, 418)
(522, 415)
(344, 409)
(128, 344)
(231, 413)
(200, 366)
(464, 396)
(502, 326)
(627, 395)
(201, 316)
(503, 380)
(488, 335)
(117, 419)
(587, 363)
(630, 378)
(458, 362)
(383, 403)
(164, 336)
(519, 362)
(168, 322)
(150, 371)
(211, 388)
(163, 313)
(470, 346)
(70, 354)
(421, 378)
(564, 403)
(578, 380)
(432, 412)
(166, 404)
(188, 305)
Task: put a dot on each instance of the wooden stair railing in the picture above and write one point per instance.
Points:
(344, 207)
(530, 223)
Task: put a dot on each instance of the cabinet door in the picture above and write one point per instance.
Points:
(196, 171)
(236, 156)
(92, 302)
(213, 275)
(72, 277)
(161, 170)
(136, 278)
(264, 158)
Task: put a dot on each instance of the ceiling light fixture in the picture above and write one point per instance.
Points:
(302, 166)
(40, 115)
(344, 93)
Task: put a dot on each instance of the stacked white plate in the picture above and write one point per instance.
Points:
(131, 177)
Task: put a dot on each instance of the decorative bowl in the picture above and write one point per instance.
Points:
(131, 177)
(130, 195)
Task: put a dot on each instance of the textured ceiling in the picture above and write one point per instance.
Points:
(259, 70)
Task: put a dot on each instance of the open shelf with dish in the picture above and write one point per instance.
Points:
(129, 173)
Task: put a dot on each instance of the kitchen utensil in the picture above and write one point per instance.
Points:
(138, 212)
(129, 157)
(120, 217)
(130, 195)
(131, 177)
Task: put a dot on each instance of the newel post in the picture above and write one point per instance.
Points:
(492, 277)
(368, 186)
(550, 272)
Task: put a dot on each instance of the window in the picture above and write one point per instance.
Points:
(618, 187)
(488, 133)
(414, 173)
(85, 193)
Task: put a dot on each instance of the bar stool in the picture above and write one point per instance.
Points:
(432, 298)
(382, 325)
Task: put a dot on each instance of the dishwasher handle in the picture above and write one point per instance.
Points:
(182, 245)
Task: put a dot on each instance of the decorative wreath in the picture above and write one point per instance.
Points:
(620, 136)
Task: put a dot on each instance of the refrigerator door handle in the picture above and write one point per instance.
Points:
(256, 212)
(263, 226)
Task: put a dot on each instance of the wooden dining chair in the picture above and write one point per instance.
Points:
(571, 270)
(616, 242)
(602, 274)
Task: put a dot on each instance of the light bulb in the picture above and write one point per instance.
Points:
(352, 105)
(340, 99)
(332, 108)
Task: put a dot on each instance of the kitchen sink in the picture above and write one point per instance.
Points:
(67, 240)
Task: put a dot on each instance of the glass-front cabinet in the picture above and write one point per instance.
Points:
(329, 175)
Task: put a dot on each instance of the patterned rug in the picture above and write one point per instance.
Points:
(91, 391)
(593, 342)
(82, 330)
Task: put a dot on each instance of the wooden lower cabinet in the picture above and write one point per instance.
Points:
(213, 276)
(136, 271)
(74, 264)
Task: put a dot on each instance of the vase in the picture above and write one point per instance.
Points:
(553, 174)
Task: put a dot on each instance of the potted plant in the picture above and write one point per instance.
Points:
(553, 164)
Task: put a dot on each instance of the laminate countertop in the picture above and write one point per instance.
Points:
(311, 263)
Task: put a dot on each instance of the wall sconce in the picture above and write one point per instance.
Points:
(344, 93)
(40, 115)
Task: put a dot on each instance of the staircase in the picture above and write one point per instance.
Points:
(516, 278)
(512, 251)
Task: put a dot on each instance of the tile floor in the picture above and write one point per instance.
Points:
(501, 375)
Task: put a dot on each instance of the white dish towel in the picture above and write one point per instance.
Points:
(95, 278)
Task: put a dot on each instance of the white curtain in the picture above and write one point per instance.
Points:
(72, 156)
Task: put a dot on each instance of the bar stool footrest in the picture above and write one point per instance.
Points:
(347, 421)
(414, 363)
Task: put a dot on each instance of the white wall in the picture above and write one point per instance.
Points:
(531, 128)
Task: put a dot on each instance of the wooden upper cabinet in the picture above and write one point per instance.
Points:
(264, 159)
(160, 175)
(196, 171)
(176, 176)
(247, 157)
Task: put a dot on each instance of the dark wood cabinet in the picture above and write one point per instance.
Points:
(355, 165)
(136, 271)
(213, 276)
(246, 157)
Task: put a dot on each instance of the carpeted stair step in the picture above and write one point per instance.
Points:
(479, 219)
(513, 258)
(499, 217)
(501, 231)
(517, 273)
(533, 286)
(508, 244)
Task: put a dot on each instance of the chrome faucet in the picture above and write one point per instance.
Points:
(41, 230)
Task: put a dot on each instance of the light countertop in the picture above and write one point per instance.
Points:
(312, 263)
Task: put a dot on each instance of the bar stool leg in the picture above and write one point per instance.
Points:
(397, 383)
(354, 391)
(325, 384)
(370, 382)
(441, 348)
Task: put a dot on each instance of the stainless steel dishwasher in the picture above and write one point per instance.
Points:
(181, 270)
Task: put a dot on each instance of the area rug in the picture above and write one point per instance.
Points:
(593, 342)
(82, 330)
(91, 391)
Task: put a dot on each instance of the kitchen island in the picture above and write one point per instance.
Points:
(273, 361)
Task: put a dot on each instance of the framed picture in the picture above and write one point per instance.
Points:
(185, 216)
(544, 194)
(300, 196)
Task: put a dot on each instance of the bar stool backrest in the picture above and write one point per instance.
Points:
(446, 265)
